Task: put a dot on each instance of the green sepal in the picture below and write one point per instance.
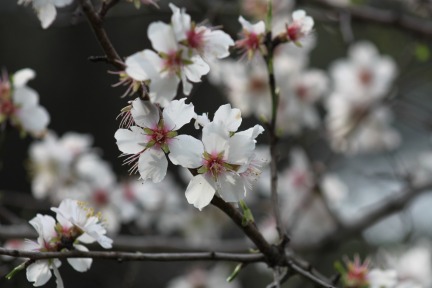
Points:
(298, 44)
(17, 269)
(172, 134)
(150, 144)
(231, 134)
(148, 131)
(235, 272)
(339, 267)
(247, 214)
(202, 170)
(165, 148)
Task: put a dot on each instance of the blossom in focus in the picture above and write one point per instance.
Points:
(46, 9)
(148, 142)
(79, 222)
(206, 42)
(252, 38)
(165, 69)
(19, 104)
(39, 272)
(300, 27)
(220, 158)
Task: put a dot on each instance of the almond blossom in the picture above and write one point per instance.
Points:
(165, 69)
(252, 38)
(46, 9)
(206, 42)
(154, 136)
(300, 27)
(220, 159)
(19, 104)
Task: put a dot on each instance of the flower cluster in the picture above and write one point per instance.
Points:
(183, 50)
(75, 223)
(19, 104)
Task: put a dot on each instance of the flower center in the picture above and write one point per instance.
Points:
(100, 196)
(214, 163)
(293, 32)
(258, 84)
(7, 107)
(159, 136)
(194, 38)
(173, 62)
(365, 77)
(301, 92)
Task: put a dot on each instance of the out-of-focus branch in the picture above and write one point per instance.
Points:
(96, 23)
(381, 210)
(137, 256)
(410, 24)
(106, 6)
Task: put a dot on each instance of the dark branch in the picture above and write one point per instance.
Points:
(137, 256)
(410, 24)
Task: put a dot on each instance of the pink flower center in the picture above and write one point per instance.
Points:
(7, 107)
(195, 39)
(100, 197)
(251, 42)
(258, 84)
(293, 32)
(128, 193)
(159, 135)
(173, 62)
(301, 92)
(215, 164)
(299, 179)
(365, 77)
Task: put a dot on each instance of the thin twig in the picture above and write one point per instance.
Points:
(137, 256)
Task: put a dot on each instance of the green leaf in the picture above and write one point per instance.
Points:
(422, 52)
(16, 270)
(247, 214)
(235, 272)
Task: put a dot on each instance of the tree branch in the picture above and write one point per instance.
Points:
(137, 256)
(410, 24)
(96, 23)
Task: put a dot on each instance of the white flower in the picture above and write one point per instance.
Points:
(365, 76)
(39, 272)
(72, 214)
(166, 70)
(46, 9)
(220, 159)
(20, 104)
(204, 41)
(382, 278)
(148, 145)
(357, 128)
(300, 27)
(252, 37)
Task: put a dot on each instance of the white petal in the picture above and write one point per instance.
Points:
(180, 21)
(62, 3)
(257, 28)
(230, 118)
(177, 113)
(215, 138)
(197, 69)
(240, 149)
(187, 86)
(137, 66)
(199, 192)
(231, 187)
(130, 142)
(145, 114)
(34, 119)
(25, 97)
(39, 272)
(217, 44)
(21, 77)
(253, 132)
(80, 264)
(153, 165)
(186, 151)
(46, 14)
(163, 89)
(162, 37)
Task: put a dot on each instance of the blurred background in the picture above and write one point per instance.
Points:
(79, 97)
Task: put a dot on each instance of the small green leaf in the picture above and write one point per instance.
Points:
(247, 214)
(15, 270)
(235, 272)
(422, 52)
